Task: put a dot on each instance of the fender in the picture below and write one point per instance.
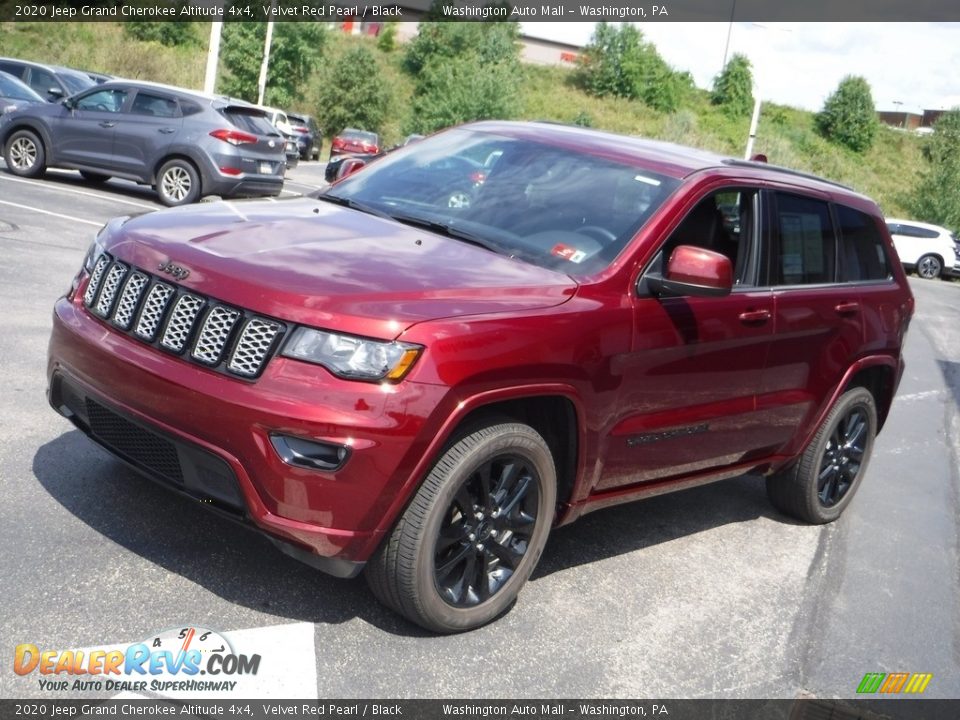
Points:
(191, 154)
(463, 408)
(36, 126)
(861, 364)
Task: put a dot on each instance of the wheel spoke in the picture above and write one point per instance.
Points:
(451, 535)
(506, 555)
(519, 523)
(465, 553)
(519, 492)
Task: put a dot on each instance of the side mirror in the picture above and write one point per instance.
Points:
(54, 94)
(694, 271)
(349, 167)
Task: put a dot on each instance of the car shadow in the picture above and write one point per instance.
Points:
(951, 375)
(114, 186)
(244, 568)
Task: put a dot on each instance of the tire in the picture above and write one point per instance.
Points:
(178, 183)
(25, 155)
(819, 487)
(487, 542)
(458, 199)
(94, 177)
(929, 267)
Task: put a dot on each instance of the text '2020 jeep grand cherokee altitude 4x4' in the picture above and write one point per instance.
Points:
(380, 379)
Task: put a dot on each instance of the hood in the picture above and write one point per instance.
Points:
(315, 263)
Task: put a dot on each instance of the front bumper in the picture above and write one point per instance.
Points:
(207, 436)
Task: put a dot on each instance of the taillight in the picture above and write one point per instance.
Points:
(302, 130)
(234, 137)
(478, 176)
(338, 142)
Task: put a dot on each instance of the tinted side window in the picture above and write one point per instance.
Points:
(862, 251)
(102, 101)
(18, 71)
(919, 232)
(806, 246)
(153, 105)
(41, 81)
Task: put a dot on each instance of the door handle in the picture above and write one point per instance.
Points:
(847, 308)
(167, 131)
(107, 124)
(755, 316)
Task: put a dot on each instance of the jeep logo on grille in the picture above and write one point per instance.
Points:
(179, 272)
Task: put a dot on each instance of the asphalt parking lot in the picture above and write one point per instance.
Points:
(704, 593)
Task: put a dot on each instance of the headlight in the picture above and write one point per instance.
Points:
(352, 357)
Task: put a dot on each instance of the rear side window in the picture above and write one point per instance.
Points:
(251, 120)
(18, 71)
(153, 105)
(914, 231)
(806, 246)
(863, 255)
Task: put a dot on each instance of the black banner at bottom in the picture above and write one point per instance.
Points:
(803, 709)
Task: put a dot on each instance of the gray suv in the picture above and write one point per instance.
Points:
(51, 82)
(183, 143)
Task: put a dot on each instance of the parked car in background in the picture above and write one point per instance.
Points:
(932, 251)
(355, 142)
(309, 136)
(183, 143)
(278, 118)
(383, 381)
(336, 165)
(14, 94)
(51, 82)
(98, 77)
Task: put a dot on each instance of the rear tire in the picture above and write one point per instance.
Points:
(929, 267)
(178, 183)
(818, 488)
(24, 154)
(473, 533)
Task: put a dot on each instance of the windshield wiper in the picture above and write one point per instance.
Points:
(449, 230)
(354, 205)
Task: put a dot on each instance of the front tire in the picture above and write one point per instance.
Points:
(819, 487)
(473, 533)
(929, 267)
(24, 154)
(178, 183)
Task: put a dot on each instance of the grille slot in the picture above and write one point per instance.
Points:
(129, 299)
(226, 339)
(111, 283)
(181, 321)
(255, 342)
(153, 309)
(95, 277)
(214, 334)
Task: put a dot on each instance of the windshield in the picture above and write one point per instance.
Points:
(15, 90)
(554, 207)
(76, 83)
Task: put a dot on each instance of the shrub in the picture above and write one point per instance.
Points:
(848, 117)
(935, 198)
(354, 93)
(733, 87)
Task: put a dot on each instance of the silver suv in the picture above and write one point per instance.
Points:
(183, 143)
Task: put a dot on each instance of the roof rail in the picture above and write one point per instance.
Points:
(736, 162)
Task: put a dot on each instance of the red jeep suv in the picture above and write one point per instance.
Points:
(382, 380)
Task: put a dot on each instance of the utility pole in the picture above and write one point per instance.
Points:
(213, 57)
(262, 85)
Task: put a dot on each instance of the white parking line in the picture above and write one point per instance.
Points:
(73, 191)
(47, 212)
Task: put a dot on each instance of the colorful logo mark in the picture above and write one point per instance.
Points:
(891, 683)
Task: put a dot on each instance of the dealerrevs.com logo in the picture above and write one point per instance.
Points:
(181, 659)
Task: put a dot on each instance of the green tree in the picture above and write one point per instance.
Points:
(618, 62)
(848, 117)
(935, 198)
(295, 50)
(464, 71)
(354, 93)
(387, 39)
(733, 87)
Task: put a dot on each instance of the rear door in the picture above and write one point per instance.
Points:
(819, 315)
(144, 131)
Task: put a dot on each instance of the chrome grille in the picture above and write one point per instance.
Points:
(129, 299)
(95, 277)
(111, 284)
(255, 342)
(181, 320)
(153, 310)
(214, 334)
(227, 339)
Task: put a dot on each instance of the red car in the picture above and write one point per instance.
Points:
(379, 379)
(355, 142)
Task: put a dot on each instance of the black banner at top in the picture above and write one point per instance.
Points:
(480, 10)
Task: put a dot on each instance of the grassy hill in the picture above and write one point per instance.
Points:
(786, 135)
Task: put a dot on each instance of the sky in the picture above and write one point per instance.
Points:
(910, 66)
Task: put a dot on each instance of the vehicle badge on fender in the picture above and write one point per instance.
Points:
(178, 271)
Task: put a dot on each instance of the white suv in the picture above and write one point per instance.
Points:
(931, 250)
